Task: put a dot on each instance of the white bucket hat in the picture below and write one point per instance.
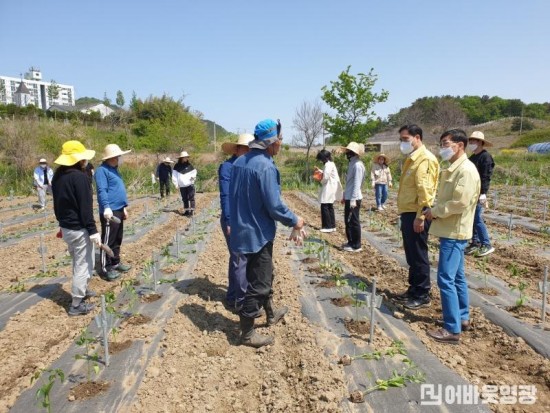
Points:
(243, 140)
(357, 148)
(112, 151)
(42, 160)
(167, 160)
(183, 154)
(480, 137)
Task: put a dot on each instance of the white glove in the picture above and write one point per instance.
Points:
(482, 198)
(107, 214)
(298, 235)
(353, 203)
(96, 239)
(373, 184)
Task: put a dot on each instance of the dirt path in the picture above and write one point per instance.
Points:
(486, 355)
(33, 339)
(202, 368)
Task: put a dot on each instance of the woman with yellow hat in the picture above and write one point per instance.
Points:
(73, 207)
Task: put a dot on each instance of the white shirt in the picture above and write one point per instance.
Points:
(331, 188)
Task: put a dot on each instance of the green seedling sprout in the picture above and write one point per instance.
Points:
(482, 266)
(410, 374)
(87, 340)
(357, 303)
(17, 288)
(43, 393)
(396, 348)
(517, 272)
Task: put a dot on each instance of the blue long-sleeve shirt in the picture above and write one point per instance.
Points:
(255, 202)
(224, 178)
(111, 192)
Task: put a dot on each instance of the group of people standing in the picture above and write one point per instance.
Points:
(73, 207)
(182, 176)
(454, 216)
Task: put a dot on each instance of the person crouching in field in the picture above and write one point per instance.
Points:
(330, 191)
(380, 176)
(73, 208)
(236, 274)
(452, 219)
(184, 176)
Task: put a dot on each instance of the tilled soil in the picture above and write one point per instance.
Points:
(202, 368)
(485, 355)
(33, 339)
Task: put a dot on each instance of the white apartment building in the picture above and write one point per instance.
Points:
(33, 91)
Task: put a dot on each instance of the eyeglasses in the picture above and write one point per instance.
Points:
(446, 144)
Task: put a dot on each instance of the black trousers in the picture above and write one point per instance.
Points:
(164, 186)
(416, 252)
(188, 196)
(353, 224)
(259, 274)
(111, 235)
(328, 221)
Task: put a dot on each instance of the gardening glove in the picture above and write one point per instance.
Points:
(483, 200)
(125, 214)
(353, 203)
(107, 214)
(298, 235)
(96, 239)
(373, 184)
(391, 185)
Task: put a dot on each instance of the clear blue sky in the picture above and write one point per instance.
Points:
(241, 61)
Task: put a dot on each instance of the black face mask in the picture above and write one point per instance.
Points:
(349, 155)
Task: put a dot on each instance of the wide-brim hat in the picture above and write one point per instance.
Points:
(112, 151)
(357, 148)
(167, 160)
(386, 159)
(42, 160)
(183, 154)
(73, 152)
(243, 140)
(480, 137)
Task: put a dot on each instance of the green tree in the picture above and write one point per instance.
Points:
(2, 88)
(352, 98)
(133, 101)
(106, 100)
(119, 98)
(53, 91)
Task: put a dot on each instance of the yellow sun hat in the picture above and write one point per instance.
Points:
(73, 152)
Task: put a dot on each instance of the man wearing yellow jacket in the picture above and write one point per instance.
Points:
(452, 221)
(417, 187)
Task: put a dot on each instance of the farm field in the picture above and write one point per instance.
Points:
(174, 346)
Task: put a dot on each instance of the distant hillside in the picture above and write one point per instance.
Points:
(87, 100)
(220, 131)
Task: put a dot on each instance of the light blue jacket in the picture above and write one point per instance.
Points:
(354, 179)
(255, 202)
(111, 192)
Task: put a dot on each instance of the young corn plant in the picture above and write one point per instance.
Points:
(523, 284)
(87, 341)
(43, 393)
(482, 265)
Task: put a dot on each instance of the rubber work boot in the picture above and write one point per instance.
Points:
(249, 337)
(274, 315)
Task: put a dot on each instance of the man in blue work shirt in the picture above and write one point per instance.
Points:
(236, 288)
(111, 196)
(255, 204)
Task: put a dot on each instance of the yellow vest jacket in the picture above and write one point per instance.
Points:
(418, 182)
(457, 197)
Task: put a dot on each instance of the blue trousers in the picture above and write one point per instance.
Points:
(381, 194)
(452, 284)
(236, 272)
(480, 234)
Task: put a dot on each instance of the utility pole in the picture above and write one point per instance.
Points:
(521, 121)
(214, 136)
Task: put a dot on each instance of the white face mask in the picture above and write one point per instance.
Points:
(446, 153)
(120, 162)
(472, 147)
(406, 147)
